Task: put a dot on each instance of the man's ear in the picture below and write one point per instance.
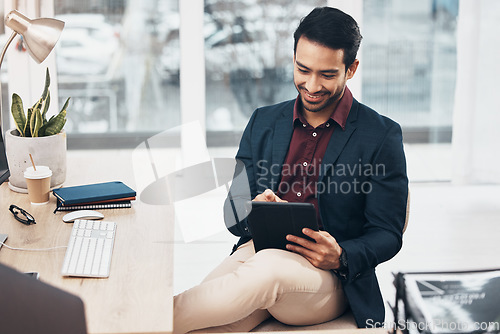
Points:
(352, 69)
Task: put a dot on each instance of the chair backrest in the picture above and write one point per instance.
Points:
(407, 211)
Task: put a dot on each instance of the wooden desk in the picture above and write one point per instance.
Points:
(137, 296)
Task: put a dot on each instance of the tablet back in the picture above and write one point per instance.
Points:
(270, 222)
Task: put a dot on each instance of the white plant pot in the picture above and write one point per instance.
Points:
(46, 151)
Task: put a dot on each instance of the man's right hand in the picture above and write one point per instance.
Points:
(268, 196)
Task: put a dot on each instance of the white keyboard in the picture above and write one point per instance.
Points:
(89, 249)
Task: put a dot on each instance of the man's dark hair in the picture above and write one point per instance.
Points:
(332, 28)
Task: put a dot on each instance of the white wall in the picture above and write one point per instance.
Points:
(476, 117)
(192, 71)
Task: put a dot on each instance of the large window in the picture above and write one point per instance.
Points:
(408, 61)
(409, 64)
(119, 63)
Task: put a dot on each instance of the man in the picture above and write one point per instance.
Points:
(324, 148)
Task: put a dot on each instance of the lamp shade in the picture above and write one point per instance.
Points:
(40, 35)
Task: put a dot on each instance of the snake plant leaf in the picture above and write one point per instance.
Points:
(55, 124)
(47, 84)
(27, 131)
(65, 106)
(45, 107)
(32, 117)
(36, 121)
(18, 113)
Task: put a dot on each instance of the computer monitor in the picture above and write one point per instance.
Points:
(28, 305)
(4, 167)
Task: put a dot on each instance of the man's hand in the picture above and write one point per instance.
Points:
(323, 254)
(268, 196)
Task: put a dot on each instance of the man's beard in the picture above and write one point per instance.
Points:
(316, 107)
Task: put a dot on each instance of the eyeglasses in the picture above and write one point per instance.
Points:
(17, 210)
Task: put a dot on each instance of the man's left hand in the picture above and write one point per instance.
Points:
(323, 254)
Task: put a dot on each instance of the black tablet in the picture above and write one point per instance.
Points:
(271, 222)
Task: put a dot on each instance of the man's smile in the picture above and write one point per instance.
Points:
(312, 98)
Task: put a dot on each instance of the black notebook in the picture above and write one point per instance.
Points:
(271, 222)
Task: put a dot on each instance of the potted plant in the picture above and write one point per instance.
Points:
(44, 139)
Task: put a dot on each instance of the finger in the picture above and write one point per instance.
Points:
(301, 250)
(270, 196)
(259, 198)
(266, 196)
(316, 235)
(301, 241)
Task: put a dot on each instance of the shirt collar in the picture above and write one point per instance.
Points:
(339, 115)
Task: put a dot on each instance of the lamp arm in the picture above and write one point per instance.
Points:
(1, 60)
(6, 46)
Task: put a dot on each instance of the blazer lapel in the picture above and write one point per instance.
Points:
(282, 135)
(339, 139)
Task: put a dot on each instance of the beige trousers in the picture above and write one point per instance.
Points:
(247, 288)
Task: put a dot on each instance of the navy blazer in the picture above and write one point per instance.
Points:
(362, 191)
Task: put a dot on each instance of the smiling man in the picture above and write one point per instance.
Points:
(323, 148)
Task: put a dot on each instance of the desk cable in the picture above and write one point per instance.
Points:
(32, 249)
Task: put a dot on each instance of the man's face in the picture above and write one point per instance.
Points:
(319, 75)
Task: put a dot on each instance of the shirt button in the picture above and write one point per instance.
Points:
(327, 125)
(299, 194)
(314, 134)
(304, 164)
(304, 125)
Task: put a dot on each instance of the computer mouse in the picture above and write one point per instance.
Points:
(82, 214)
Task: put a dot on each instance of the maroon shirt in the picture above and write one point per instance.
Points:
(302, 165)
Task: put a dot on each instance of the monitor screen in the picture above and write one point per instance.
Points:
(4, 168)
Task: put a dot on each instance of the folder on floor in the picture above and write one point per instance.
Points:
(448, 302)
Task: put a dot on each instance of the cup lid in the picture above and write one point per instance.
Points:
(40, 173)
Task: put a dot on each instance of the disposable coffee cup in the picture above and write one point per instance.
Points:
(38, 182)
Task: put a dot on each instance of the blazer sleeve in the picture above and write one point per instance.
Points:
(385, 209)
(243, 187)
